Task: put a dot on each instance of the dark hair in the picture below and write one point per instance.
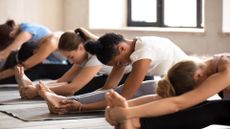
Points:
(17, 57)
(104, 48)
(79, 32)
(69, 41)
(5, 30)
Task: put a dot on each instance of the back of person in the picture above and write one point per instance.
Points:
(38, 31)
(163, 53)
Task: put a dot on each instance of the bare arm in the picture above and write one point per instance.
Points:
(208, 88)
(133, 82)
(114, 77)
(47, 46)
(69, 75)
(6, 73)
(131, 85)
(43, 52)
(143, 100)
(84, 76)
(19, 40)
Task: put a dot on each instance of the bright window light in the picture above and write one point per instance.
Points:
(144, 10)
(226, 16)
(106, 13)
(176, 15)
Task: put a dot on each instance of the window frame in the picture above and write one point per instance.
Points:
(160, 17)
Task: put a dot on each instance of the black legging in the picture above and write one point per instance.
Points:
(197, 117)
(40, 71)
(98, 82)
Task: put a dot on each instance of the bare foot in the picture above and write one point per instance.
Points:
(51, 98)
(116, 100)
(23, 81)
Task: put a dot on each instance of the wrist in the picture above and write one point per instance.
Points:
(80, 108)
(37, 90)
(129, 114)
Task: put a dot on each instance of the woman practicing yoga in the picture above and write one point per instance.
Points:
(147, 55)
(37, 45)
(188, 83)
(86, 75)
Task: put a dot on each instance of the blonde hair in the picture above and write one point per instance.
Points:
(179, 78)
(164, 88)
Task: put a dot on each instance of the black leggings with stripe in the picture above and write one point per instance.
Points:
(197, 117)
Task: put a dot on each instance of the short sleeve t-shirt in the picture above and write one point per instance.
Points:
(162, 52)
(93, 61)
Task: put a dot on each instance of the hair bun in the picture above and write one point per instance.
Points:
(93, 47)
(10, 23)
(164, 88)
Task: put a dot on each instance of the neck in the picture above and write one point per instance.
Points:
(131, 47)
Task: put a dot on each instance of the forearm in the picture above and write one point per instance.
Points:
(143, 99)
(114, 77)
(62, 89)
(69, 75)
(155, 108)
(6, 73)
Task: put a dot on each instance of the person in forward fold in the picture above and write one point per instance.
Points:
(148, 55)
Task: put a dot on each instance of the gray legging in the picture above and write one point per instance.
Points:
(147, 87)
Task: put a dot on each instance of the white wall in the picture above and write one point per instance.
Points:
(69, 14)
(46, 12)
(75, 14)
(211, 41)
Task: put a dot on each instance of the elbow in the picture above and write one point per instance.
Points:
(70, 93)
(178, 105)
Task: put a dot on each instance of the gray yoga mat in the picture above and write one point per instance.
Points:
(11, 96)
(40, 112)
(8, 85)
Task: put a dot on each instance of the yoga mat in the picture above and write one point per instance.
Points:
(40, 112)
(8, 85)
(103, 127)
(11, 96)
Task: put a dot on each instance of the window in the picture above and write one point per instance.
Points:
(226, 16)
(107, 13)
(165, 13)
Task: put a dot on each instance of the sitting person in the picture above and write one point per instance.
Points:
(37, 47)
(188, 83)
(147, 55)
(86, 75)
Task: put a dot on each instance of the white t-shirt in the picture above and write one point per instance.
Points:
(93, 61)
(162, 52)
(105, 70)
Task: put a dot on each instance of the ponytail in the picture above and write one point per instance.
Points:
(93, 47)
(81, 34)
